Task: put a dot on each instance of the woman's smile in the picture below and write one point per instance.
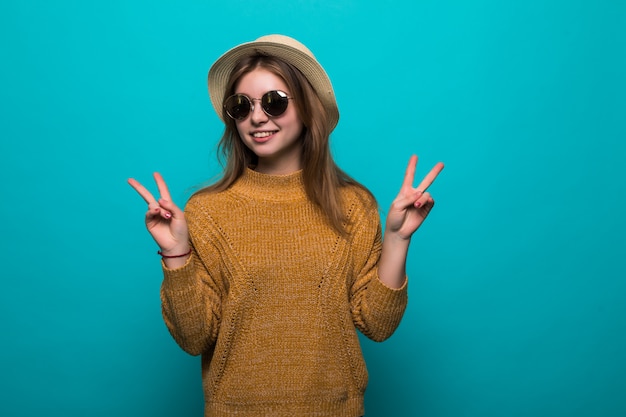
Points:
(263, 136)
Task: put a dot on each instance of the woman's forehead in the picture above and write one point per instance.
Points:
(259, 81)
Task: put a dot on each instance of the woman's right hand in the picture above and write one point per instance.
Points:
(164, 220)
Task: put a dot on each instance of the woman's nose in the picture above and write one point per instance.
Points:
(258, 115)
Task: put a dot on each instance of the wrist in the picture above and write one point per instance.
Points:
(397, 238)
(175, 253)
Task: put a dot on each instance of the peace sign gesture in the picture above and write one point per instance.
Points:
(412, 205)
(164, 220)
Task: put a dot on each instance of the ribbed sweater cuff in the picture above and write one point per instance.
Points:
(388, 304)
(180, 278)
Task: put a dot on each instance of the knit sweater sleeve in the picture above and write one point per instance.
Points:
(376, 309)
(191, 296)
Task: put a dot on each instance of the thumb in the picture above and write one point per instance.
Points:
(404, 201)
(171, 207)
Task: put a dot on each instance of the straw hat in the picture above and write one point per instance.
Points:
(285, 48)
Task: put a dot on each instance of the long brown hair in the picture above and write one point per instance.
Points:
(323, 179)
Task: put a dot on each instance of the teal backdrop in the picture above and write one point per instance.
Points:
(517, 280)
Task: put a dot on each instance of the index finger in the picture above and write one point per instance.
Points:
(430, 177)
(142, 191)
(163, 190)
(409, 174)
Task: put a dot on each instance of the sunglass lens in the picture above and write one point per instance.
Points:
(275, 103)
(237, 106)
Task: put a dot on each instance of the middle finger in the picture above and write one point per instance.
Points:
(142, 191)
(430, 177)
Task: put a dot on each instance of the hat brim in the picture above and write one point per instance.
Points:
(307, 64)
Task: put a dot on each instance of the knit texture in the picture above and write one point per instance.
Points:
(271, 298)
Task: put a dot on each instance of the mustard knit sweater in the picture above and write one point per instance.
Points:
(271, 297)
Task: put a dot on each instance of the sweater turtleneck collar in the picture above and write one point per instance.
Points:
(287, 187)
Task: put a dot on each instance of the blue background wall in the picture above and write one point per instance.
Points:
(517, 279)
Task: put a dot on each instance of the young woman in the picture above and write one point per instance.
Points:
(269, 272)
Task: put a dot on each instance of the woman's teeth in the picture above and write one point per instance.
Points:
(262, 134)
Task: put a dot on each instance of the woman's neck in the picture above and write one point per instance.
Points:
(271, 168)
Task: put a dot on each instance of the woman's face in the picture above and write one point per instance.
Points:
(275, 140)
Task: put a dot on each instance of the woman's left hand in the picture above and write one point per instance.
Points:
(412, 205)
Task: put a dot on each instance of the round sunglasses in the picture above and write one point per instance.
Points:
(239, 106)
